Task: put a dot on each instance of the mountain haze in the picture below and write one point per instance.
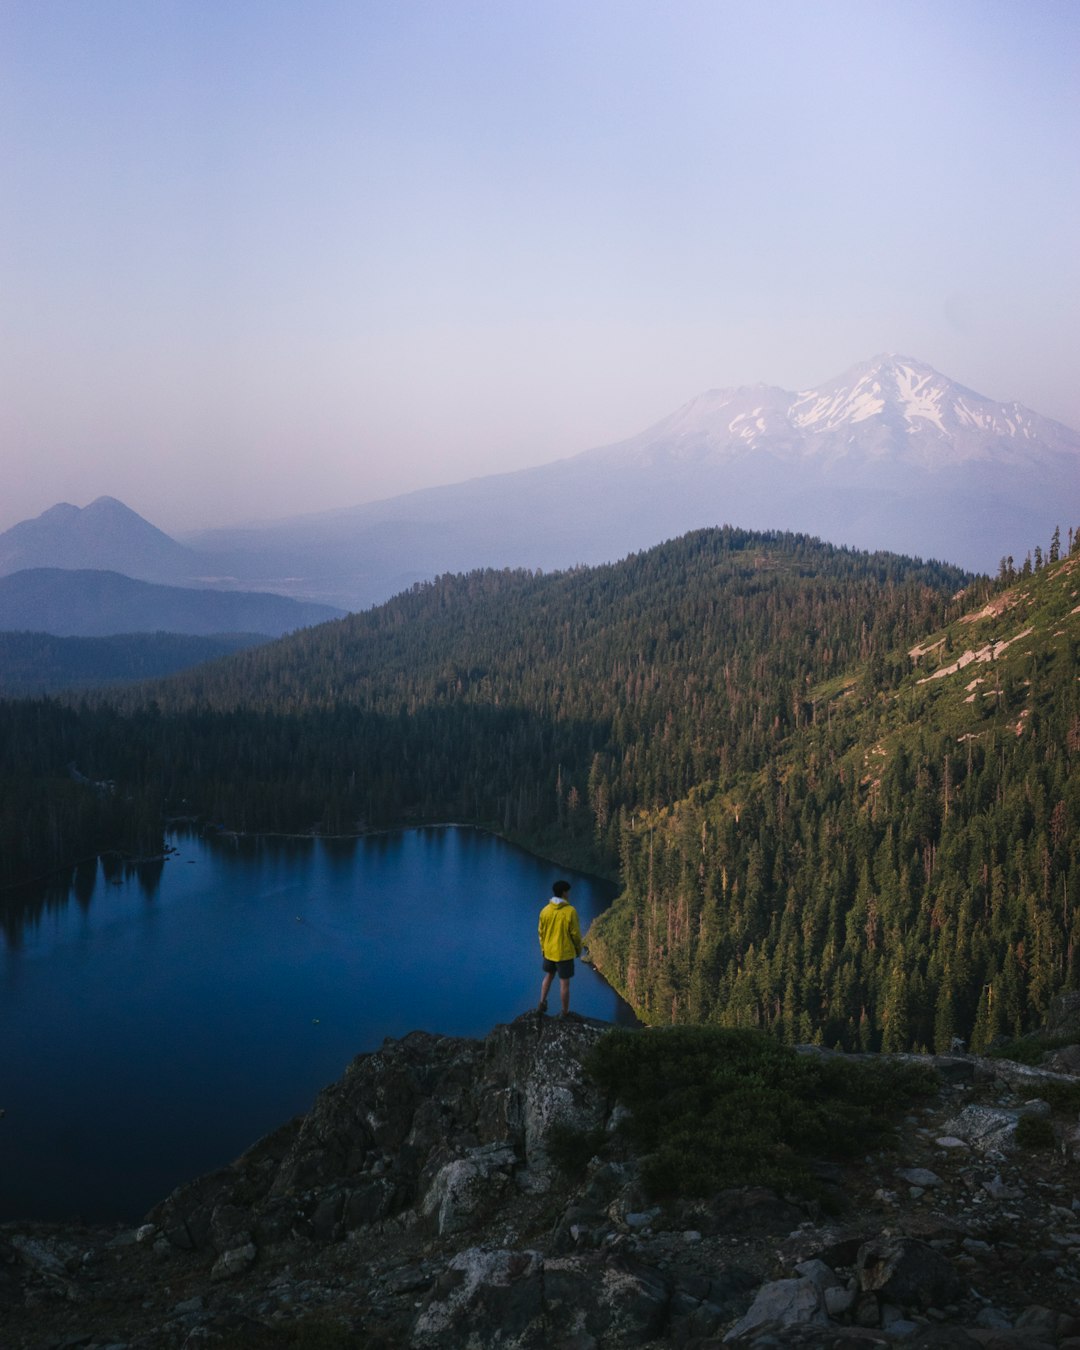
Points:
(891, 455)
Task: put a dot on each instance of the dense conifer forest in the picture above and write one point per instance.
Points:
(40, 663)
(902, 873)
(816, 830)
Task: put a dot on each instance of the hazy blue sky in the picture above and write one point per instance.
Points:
(259, 258)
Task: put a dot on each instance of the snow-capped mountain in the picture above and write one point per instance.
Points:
(891, 455)
(941, 421)
(891, 411)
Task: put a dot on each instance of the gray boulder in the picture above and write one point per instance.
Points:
(907, 1272)
(1064, 1060)
(233, 1262)
(533, 1082)
(782, 1303)
(468, 1186)
(1063, 1015)
(615, 1300)
(984, 1127)
(518, 1301)
(485, 1298)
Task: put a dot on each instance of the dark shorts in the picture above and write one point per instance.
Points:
(564, 968)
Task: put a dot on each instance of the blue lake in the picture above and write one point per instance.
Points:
(156, 1021)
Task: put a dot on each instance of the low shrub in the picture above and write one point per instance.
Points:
(1031, 1050)
(711, 1107)
(1062, 1096)
(571, 1150)
(1034, 1132)
(1027, 1050)
(308, 1333)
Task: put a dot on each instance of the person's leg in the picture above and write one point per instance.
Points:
(545, 989)
(564, 994)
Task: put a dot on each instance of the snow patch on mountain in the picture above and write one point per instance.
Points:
(846, 405)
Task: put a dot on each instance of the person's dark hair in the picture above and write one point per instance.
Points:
(560, 888)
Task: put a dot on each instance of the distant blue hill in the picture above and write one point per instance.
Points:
(104, 536)
(87, 603)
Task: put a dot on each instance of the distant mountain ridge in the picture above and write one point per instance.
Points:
(85, 603)
(104, 536)
(892, 455)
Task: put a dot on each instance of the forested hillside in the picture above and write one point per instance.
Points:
(548, 705)
(821, 825)
(905, 870)
(551, 707)
(38, 663)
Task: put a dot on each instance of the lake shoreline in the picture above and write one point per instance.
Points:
(518, 841)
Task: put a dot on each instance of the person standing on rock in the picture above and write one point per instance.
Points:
(560, 942)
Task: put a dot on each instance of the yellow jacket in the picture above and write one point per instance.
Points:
(560, 933)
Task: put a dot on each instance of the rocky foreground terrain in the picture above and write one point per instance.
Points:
(418, 1204)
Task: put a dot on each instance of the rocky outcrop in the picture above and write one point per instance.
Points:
(434, 1133)
(424, 1201)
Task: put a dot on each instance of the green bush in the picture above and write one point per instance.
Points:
(309, 1333)
(570, 1150)
(1061, 1096)
(1034, 1132)
(711, 1107)
(1032, 1049)
(1028, 1050)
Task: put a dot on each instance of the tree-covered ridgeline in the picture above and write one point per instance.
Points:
(538, 702)
(903, 873)
(552, 708)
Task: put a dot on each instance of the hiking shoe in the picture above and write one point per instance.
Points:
(541, 1007)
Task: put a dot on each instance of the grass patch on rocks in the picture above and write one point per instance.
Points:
(710, 1107)
(312, 1333)
(1031, 1049)
(1034, 1132)
(571, 1149)
(1063, 1097)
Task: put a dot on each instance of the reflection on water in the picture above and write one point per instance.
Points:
(23, 907)
(155, 1019)
(83, 882)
